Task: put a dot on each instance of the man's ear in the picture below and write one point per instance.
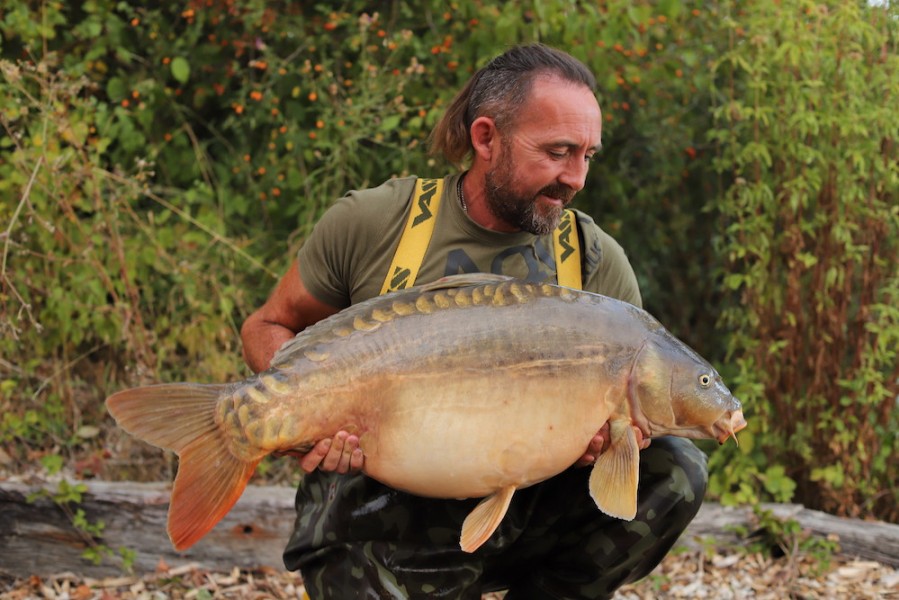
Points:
(484, 138)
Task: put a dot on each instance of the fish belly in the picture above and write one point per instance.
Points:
(465, 436)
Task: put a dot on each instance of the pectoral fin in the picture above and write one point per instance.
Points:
(613, 482)
(480, 523)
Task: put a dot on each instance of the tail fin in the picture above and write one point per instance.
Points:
(181, 417)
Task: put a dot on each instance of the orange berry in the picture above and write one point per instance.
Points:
(313, 96)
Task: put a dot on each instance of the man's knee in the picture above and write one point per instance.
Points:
(674, 477)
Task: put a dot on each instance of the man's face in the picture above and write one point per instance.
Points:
(543, 156)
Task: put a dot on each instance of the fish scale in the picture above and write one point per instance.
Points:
(472, 386)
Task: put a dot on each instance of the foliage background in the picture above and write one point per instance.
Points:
(160, 164)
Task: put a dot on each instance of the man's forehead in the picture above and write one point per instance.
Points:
(565, 112)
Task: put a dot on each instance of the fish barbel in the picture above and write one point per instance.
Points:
(472, 386)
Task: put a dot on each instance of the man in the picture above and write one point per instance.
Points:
(529, 122)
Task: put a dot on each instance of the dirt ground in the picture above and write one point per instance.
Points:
(716, 575)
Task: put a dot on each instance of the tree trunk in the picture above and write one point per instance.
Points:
(38, 537)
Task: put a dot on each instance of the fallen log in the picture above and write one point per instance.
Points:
(37, 536)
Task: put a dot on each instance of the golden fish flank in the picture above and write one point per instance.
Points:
(473, 364)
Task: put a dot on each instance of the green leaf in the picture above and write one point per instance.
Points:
(390, 123)
(180, 69)
(52, 462)
(115, 89)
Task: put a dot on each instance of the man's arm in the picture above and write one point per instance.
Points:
(290, 309)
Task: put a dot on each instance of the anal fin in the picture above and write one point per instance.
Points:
(613, 481)
(481, 522)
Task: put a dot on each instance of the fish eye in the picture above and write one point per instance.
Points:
(705, 380)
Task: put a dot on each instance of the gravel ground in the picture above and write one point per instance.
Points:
(721, 574)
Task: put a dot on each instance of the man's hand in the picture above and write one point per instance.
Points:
(341, 454)
(600, 443)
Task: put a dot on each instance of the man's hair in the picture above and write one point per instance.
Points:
(498, 90)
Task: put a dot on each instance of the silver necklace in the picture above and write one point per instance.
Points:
(461, 195)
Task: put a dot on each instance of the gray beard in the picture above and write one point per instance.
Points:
(520, 211)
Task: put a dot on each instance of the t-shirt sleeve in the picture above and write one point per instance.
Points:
(607, 270)
(350, 240)
(324, 259)
(617, 277)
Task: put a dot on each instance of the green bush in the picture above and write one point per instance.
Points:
(808, 132)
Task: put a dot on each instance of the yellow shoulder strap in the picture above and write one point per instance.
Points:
(419, 228)
(567, 248)
(416, 235)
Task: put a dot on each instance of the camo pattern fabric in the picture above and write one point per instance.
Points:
(356, 538)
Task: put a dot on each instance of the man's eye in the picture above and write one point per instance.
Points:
(557, 154)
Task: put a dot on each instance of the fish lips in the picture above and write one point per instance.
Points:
(728, 427)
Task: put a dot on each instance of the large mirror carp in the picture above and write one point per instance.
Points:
(472, 386)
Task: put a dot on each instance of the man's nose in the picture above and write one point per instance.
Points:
(575, 173)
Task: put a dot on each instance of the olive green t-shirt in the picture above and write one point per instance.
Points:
(345, 259)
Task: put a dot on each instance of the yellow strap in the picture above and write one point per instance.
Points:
(416, 235)
(567, 248)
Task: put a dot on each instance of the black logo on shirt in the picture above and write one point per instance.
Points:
(428, 187)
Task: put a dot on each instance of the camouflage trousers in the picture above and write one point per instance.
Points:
(355, 538)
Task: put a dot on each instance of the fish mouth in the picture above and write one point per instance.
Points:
(731, 427)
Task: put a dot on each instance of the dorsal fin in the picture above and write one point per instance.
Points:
(463, 280)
